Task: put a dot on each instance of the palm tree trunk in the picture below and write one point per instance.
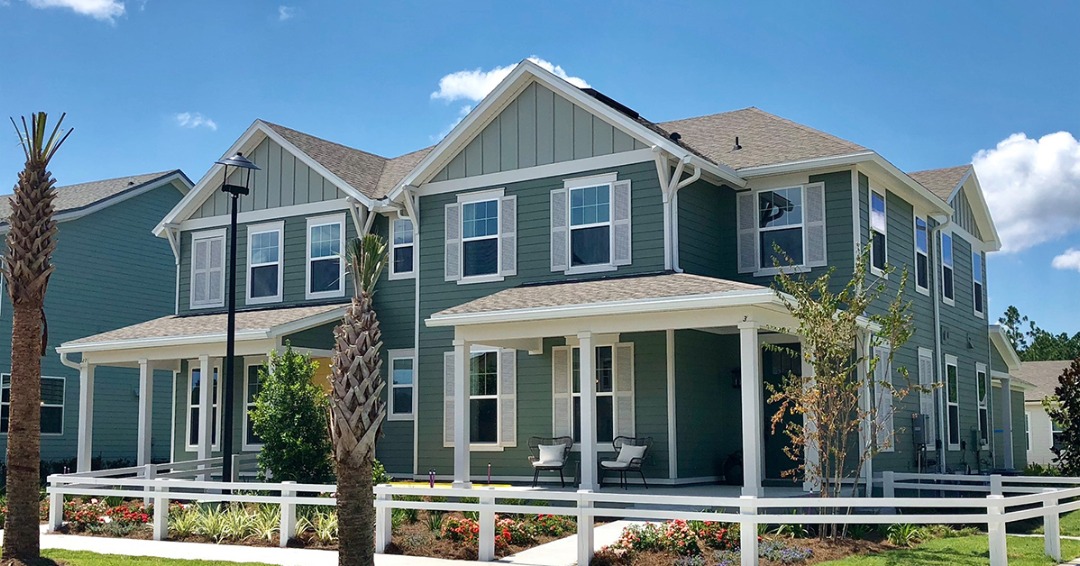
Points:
(21, 535)
(356, 515)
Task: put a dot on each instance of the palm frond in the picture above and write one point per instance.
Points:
(367, 258)
(32, 140)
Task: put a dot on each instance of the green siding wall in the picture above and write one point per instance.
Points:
(707, 243)
(707, 408)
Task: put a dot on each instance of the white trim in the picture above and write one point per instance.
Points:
(1004, 347)
(313, 222)
(268, 227)
(771, 271)
(172, 413)
(591, 180)
(393, 275)
(915, 230)
(492, 195)
(62, 405)
(579, 185)
(268, 214)
(673, 438)
(977, 293)
(855, 216)
(249, 362)
(951, 266)
(392, 356)
(983, 404)
(871, 192)
(215, 367)
(951, 361)
(498, 445)
(217, 234)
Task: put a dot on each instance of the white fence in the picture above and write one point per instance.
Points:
(993, 501)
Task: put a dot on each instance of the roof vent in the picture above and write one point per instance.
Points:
(675, 136)
(130, 183)
(736, 147)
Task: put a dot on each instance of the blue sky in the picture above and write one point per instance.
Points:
(153, 85)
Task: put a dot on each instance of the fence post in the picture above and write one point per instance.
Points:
(287, 526)
(161, 511)
(487, 529)
(148, 474)
(1051, 525)
(996, 485)
(384, 524)
(995, 527)
(585, 537)
(56, 507)
(748, 541)
(888, 488)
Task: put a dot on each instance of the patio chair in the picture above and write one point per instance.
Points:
(631, 453)
(549, 454)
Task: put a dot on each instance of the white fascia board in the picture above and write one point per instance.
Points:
(981, 210)
(308, 322)
(158, 342)
(728, 299)
(1001, 343)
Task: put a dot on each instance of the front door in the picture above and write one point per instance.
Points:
(775, 366)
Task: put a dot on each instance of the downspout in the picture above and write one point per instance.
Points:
(675, 214)
(935, 237)
(669, 187)
(662, 178)
(173, 235)
(64, 360)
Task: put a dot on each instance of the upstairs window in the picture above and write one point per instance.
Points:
(977, 283)
(590, 225)
(264, 263)
(208, 269)
(922, 256)
(480, 233)
(878, 227)
(791, 219)
(780, 225)
(947, 291)
(480, 238)
(52, 404)
(401, 236)
(325, 263)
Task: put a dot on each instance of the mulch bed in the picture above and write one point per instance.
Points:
(824, 551)
(417, 539)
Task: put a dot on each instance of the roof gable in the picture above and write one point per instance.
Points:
(959, 187)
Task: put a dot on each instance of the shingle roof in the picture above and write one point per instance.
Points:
(396, 169)
(360, 169)
(766, 139)
(941, 182)
(210, 325)
(605, 290)
(1043, 375)
(74, 197)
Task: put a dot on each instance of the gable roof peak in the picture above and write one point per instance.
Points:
(942, 182)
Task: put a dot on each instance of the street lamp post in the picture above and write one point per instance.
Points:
(237, 161)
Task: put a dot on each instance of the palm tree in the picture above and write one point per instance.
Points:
(26, 266)
(357, 410)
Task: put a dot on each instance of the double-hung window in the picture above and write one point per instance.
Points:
(208, 269)
(590, 225)
(947, 291)
(922, 256)
(491, 390)
(484, 397)
(401, 237)
(402, 384)
(952, 401)
(480, 237)
(1056, 434)
(52, 404)
(264, 277)
(252, 386)
(878, 227)
(325, 264)
(781, 227)
(977, 283)
(982, 391)
(195, 384)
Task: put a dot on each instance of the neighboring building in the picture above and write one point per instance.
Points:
(560, 230)
(1040, 430)
(110, 272)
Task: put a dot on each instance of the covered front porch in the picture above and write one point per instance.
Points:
(695, 383)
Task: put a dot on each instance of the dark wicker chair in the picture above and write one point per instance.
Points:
(629, 461)
(549, 465)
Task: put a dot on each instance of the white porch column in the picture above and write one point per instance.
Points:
(752, 409)
(206, 409)
(462, 437)
(86, 416)
(811, 454)
(587, 373)
(146, 404)
(867, 432)
(1007, 416)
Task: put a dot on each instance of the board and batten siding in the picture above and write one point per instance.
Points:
(282, 180)
(537, 128)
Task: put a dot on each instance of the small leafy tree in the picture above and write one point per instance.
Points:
(839, 401)
(290, 418)
(1064, 409)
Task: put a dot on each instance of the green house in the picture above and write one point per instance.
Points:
(556, 233)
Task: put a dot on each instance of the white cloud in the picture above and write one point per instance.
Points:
(104, 10)
(194, 120)
(1070, 260)
(1032, 187)
(462, 113)
(474, 85)
(285, 13)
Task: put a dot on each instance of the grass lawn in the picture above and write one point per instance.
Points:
(78, 558)
(1070, 525)
(963, 551)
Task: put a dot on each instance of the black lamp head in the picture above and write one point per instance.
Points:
(238, 160)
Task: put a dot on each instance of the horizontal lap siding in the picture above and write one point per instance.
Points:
(708, 410)
(1019, 436)
(707, 230)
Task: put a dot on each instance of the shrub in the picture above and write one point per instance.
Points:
(553, 525)
(719, 536)
(1042, 470)
(378, 473)
(904, 534)
(266, 522)
(680, 538)
(290, 418)
(460, 529)
(183, 520)
(435, 521)
(514, 532)
(783, 552)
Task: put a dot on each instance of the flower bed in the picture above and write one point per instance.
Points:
(457, 535)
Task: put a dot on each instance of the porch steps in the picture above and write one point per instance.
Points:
(563, 552)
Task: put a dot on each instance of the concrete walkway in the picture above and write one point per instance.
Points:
(563, 552)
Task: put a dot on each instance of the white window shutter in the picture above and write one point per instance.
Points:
(620, 223)
(747, 231)
(200, 262)
(559, 220)
(448, 399)
(814, 222)
(562, 402)
(216, 269)
(508, 236)
(926, 397)
(508, 398)
(452, 231)
(624, 389)
(884, 399)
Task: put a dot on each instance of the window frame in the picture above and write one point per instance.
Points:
(192, 367)
(951, 266)
(392, 273)
(875, 270)
(769, 270)
(497, 444)
(249, 404)
(393, 356)
(313, 222)
(923, 252)
(599, 394)
(982, 378)
(473, 199)
(977, 285)
(950, 403)
(62, 405)
(265, 228)
(215, 234)
(570, 185)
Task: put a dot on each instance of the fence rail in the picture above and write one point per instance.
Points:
(1004, 500)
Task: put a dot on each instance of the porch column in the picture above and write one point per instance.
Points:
(206, 408)
(146, 404)
(587, 373)
(752, 410)
(811, 454)
(462, 436)
(1006, 428)
(86, 416)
